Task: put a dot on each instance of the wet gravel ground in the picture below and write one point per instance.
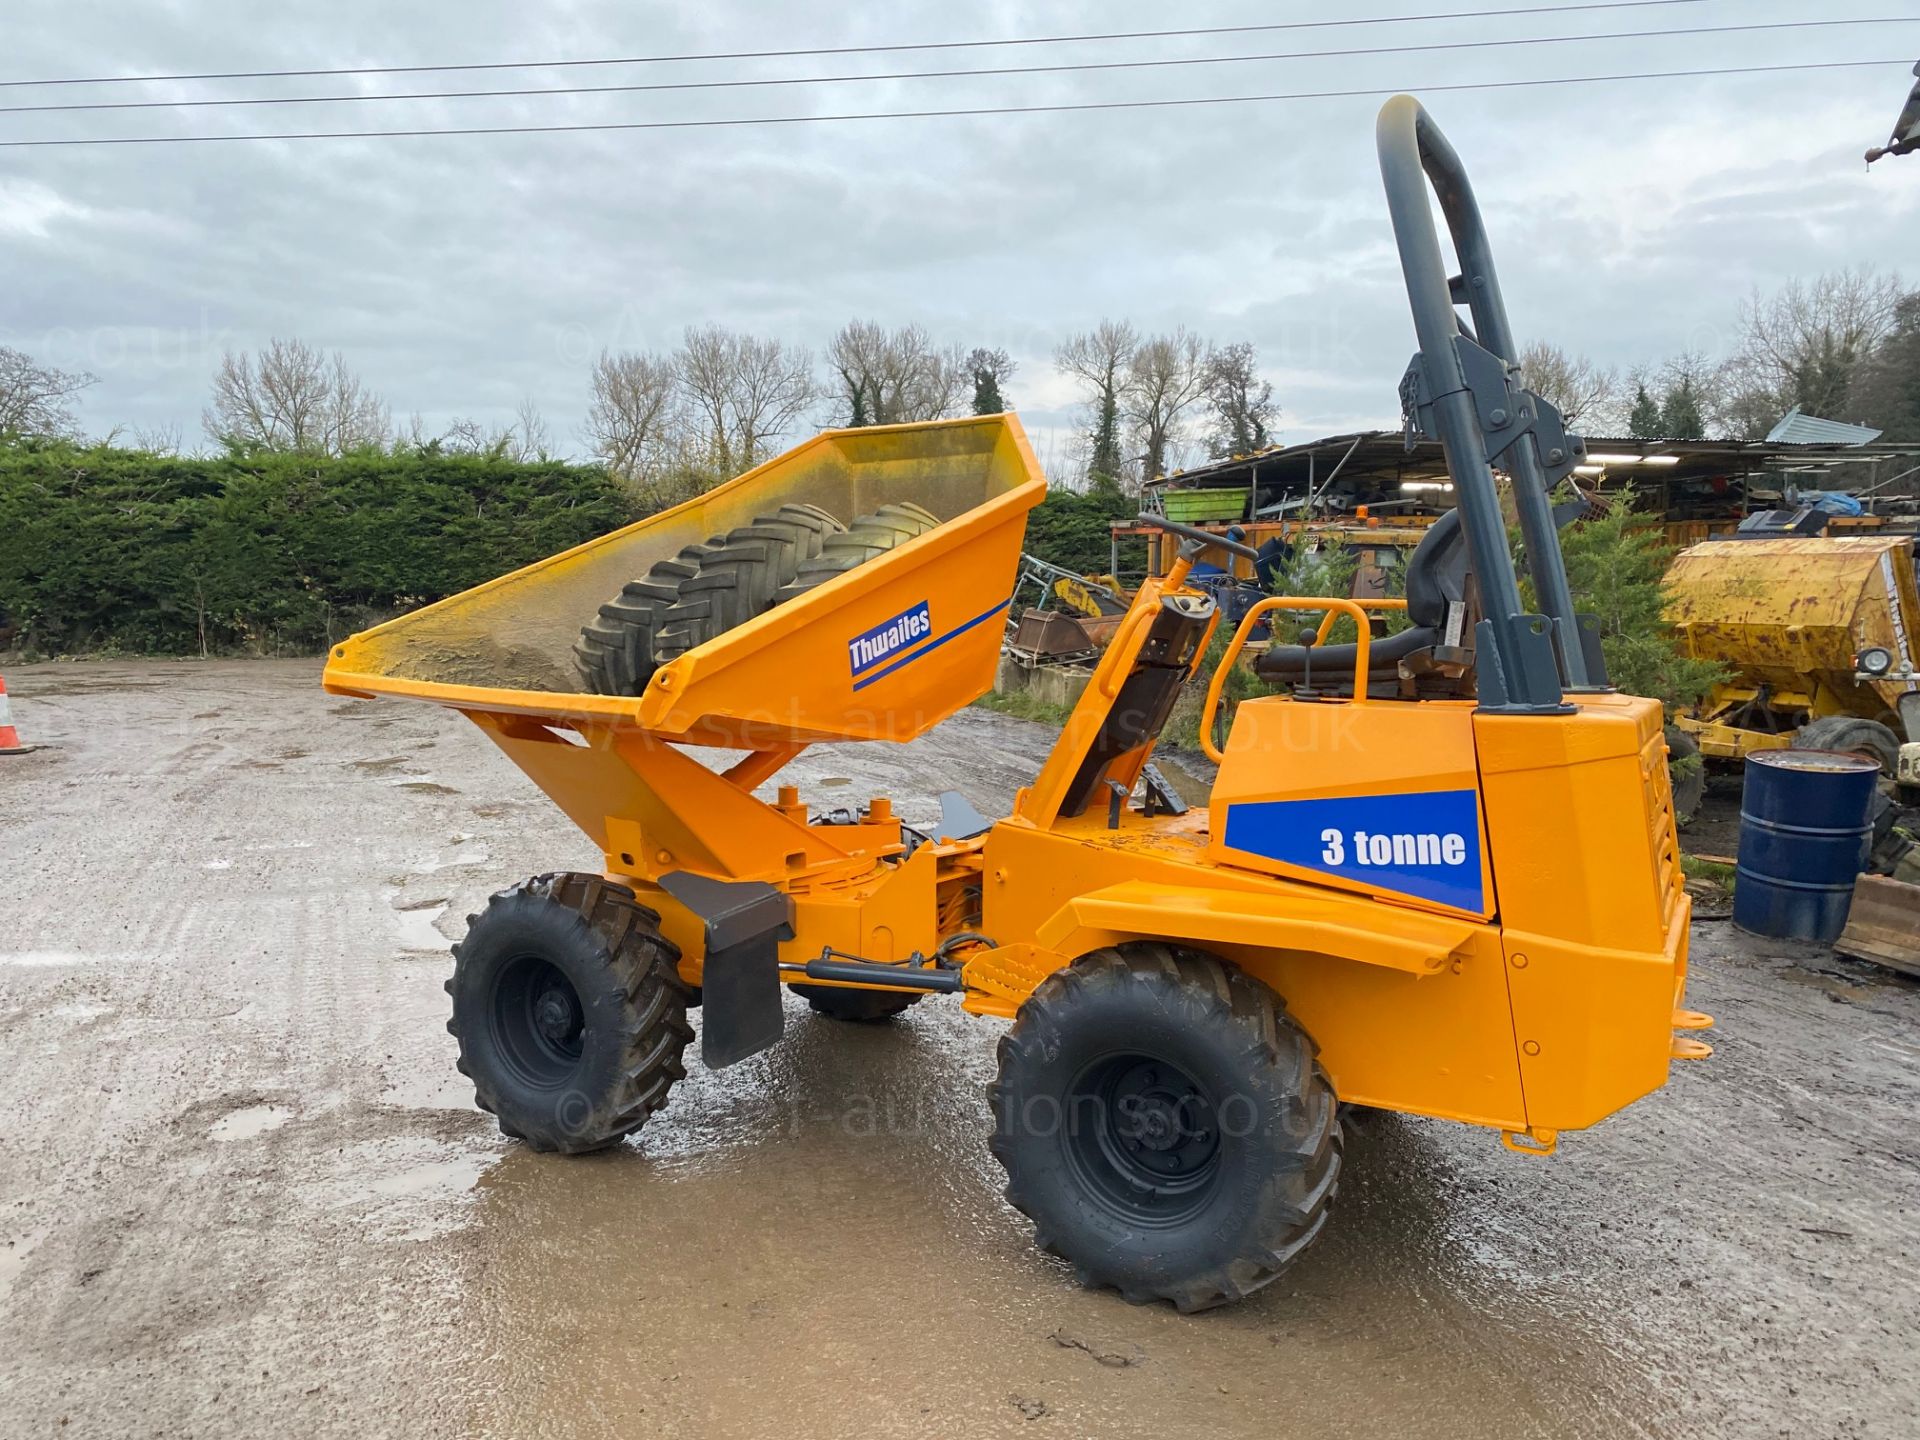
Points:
(243, 1191)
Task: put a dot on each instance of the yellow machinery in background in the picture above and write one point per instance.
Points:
(1819, 634)
(1437, 875)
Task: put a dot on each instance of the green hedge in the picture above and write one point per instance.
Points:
(109, 549)
(1071, 529)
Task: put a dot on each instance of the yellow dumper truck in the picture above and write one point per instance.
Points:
(1437, 874)
(1819, 637)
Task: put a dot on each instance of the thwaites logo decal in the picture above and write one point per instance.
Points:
(1425, 844)
(875, 647)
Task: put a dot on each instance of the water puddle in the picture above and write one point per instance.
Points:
(251, 1120)
(466, 851)
(418, 932)
(410, 1188)
(47, 959)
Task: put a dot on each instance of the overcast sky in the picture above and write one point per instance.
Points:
(459, 274)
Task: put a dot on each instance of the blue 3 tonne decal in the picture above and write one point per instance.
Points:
(1425, 844)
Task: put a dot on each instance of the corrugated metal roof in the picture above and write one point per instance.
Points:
(1796, 428)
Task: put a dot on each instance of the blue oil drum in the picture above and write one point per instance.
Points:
(1805, 833)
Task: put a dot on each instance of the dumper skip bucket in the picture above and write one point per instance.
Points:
(885, 651)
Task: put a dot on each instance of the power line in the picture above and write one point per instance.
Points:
(1003, 70)
(982, 110)
(857, 49)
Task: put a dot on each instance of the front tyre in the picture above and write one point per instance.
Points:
(570, 1012)
(1163, 1123)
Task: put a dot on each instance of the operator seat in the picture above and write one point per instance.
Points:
(1436, 580)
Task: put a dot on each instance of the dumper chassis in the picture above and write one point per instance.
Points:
(1438, 877)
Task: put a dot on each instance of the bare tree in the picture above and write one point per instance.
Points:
(740, 392)
(634, 420)
(1167, 375)
(1579, 389)
(1241, 401)
(891, 377)
(1100, 359)
(36, 399)
(1802, 345)
(292, 397)
(528, 439)
(160, 439)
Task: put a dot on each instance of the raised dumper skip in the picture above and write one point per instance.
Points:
(1444, 881)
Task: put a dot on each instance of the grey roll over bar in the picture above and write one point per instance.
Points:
(1463, 387)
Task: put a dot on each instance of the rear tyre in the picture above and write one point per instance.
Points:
(738, 578)
(867, 537)
(570, 1012)
(838, 1002)
(1163, 1123)
(1687, 773)
(614, 654)
(1852, 736)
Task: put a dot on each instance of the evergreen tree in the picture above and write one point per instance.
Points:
(1104, 461)
(1645, 421)
(989, 369)
(1680, 416)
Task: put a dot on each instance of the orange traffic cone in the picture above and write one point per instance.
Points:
(10, 742)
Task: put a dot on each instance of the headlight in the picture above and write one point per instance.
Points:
(1874, 660)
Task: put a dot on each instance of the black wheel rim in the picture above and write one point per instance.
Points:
(538, 1023)
(1143, 1138)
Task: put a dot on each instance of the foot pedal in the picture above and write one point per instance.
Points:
(1691, 1020)
(1685, 1049)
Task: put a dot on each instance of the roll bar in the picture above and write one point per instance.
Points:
(1464, 388)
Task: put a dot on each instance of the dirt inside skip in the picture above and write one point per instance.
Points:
(245, 1192)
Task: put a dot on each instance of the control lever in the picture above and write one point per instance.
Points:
(1199, 541)
(1309, 637)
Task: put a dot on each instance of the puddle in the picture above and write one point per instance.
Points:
(13, 1257)
(218, 865)
(466, 851)
(417, 931)
(450, 1176)
(46, 959)
(384, 763)
(252, 1120)
(832, 782)
(410, 1188)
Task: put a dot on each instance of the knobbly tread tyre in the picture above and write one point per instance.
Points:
(868, 536)
(610, 948)
(1851, 735)
(1686, 774)
(1275, 1185)
(739, 576)
(864, 1007)
(614, 654)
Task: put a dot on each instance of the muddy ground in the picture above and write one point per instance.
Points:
(243, 1191)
